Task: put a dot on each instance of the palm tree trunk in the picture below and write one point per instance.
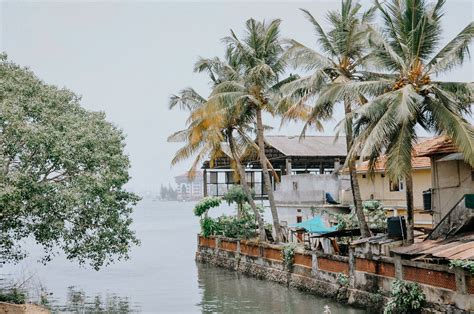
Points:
(364, 228)
(266, 176)
(410, 219)
(245, 187)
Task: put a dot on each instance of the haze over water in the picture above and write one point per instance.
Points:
(162, 276)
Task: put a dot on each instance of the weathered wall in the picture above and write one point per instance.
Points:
(379, 187)
(306, 188)
(369, 278)
(451, 180)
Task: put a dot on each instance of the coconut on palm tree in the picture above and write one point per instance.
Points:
(344, 56)
(411, 98)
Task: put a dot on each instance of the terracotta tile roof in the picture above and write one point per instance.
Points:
(417, 163)
(437, 145)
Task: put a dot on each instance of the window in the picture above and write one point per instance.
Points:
(396, 185)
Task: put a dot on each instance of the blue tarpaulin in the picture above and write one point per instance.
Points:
(315, 225)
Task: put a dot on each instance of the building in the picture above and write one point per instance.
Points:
(305, 168)
(452, 180)
(392, 193)
(189, 189)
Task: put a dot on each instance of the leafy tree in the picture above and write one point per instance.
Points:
(343, 58)
(410, 98)
(62, 175)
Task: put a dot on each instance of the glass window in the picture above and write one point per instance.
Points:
(396, 185)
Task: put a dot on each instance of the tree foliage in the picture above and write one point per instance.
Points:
(62, 175)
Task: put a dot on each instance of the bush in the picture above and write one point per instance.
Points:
(464, 264)
(288, 255)
(229, 226)
(205, 204)
(236, 194)
(374, 212)
(406, 297)
(13, 296)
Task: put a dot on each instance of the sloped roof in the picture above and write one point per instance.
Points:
(437, 145)
(416, 162)
(461, 247)
(309, 145)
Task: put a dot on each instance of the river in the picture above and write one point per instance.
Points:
(161, 276)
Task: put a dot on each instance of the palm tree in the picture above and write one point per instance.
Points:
(343, 59)
(411, 98)
(260, 54)
(209, 125)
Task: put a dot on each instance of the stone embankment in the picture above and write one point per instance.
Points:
(365, 282)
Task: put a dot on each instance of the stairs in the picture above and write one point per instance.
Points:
(459, 219)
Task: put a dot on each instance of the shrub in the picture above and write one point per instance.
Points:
(229, 226)
(465, 264)
(343, 279)
(236, 194)
(406, 297)
(288, 255)
(205, 204)
(13, 296)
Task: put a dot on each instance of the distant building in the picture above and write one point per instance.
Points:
(189, 189)
(305, 168)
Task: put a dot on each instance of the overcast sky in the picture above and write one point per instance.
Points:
(127, 57)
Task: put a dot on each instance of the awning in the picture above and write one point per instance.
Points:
(316, 225)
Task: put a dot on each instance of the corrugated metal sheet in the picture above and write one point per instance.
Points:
(461, 247)
(308, 146)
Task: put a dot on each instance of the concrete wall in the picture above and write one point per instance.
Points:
(451, 181)
(379, 187)
(370, 278)
(306, 188)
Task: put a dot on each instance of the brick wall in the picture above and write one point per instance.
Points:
(303, 260)
(430, 277)
(228, 246)
(250, 250)
(207, 242)
(470, 285)
(375, 267)
(333, 266)
(272, 254)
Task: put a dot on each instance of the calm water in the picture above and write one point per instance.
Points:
(161, 276)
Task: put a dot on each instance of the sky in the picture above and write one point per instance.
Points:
(126, 58)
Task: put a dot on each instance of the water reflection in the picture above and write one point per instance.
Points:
(78, 302)
(225, 291)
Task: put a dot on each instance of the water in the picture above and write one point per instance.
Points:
(162, 276)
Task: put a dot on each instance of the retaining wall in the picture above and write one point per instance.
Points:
(369, 278)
